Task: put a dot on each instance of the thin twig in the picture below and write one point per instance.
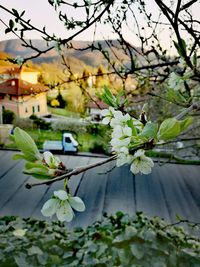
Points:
(74, 172)
(194, 107)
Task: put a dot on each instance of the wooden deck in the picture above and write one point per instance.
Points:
(169, 190)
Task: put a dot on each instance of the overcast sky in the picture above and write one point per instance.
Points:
(42, 13)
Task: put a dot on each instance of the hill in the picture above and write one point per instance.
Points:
(84, 56)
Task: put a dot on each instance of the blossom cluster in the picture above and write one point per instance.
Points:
(125, 136)
(62, 204)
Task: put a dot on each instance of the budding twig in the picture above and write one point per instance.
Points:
(73, 172)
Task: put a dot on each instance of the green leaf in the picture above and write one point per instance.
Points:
(34, 251)
(169, 128)
(26, 144)
(150, 130)
(184, 124)
(131, 125)
(175, 96)
(107, 97)
(37, 170)
(11, 24)
(7, 30)
(137, 251)
(181, 47)
(18, 156)
(30, 165)
(15, 12)
(194, 59)
(21, 260)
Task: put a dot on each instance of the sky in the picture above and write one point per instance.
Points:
(42, 14)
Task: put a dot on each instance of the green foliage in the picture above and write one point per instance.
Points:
(98, 148)
(37, 165)
(184, 124)
(171, 128)
(8, 116)
(181, 47)
(116, 241)
(40, 136)
(64, 112)
(111, 100)
(69, 126)
(26, 144)
(54, 103)
(175, 96)
(40, 123)
(96, 129)
(150, 130)
(37, 170)
(61, 101)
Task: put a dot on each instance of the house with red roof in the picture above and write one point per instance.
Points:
(21, 93)
(94, 109)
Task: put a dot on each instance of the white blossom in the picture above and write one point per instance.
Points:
(141, 163)
(121, 137)
(121, 132)
(108, 115)
(119, 119)
(62, 204)
(52, 161)
(117, 144)
(123, 157)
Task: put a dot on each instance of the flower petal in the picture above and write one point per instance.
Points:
(48, 157)
(50, 206)
(127, 131)
(65, 212)
(77, 203)
(135, 167)
(106, 120)
(149, 162)
(105, 112)
(121, 160)
(139, 153)
(61, 194)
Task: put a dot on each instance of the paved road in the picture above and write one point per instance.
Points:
(169, 190)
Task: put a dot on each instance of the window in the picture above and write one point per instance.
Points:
(26, 110)
(38, 108)
(33, 109)
(67, 140)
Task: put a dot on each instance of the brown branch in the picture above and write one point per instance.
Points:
(73, 172)
(188, 4)
(64, 41)
(178, 140)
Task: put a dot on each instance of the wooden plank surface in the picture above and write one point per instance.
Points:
(91, 189)
(149, 195)
(6, 162)
(169, 190)
(120, 191)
